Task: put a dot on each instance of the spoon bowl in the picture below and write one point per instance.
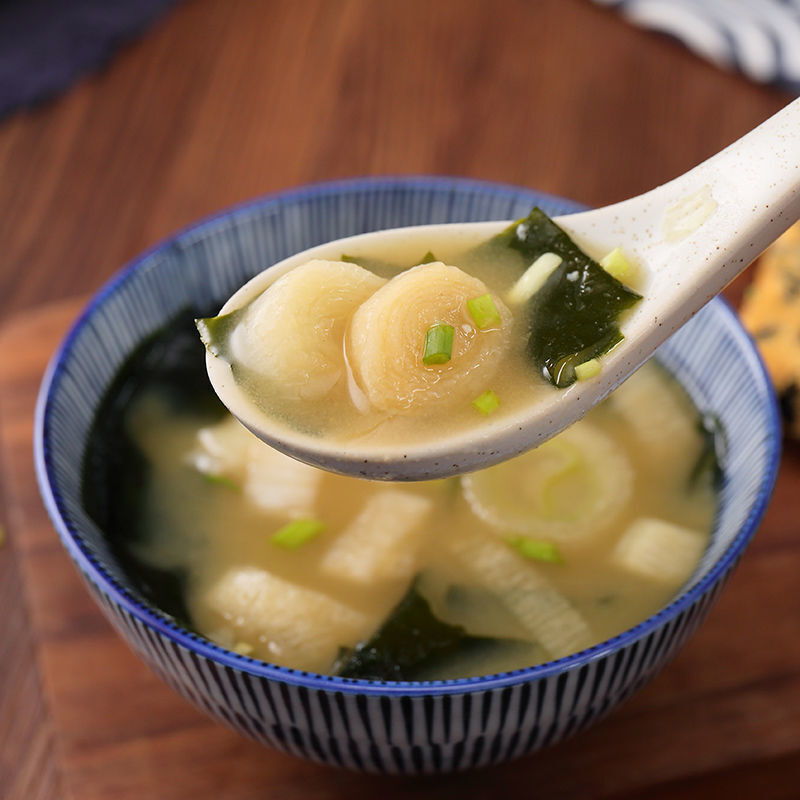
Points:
(692, 236)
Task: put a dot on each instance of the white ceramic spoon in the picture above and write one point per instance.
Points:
(692, 236)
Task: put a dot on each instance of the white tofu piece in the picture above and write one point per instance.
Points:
(273, 482)
(383, 541)
(659, 550)
(221, 449)
(299, 627)
(279, 484)
(540, 608)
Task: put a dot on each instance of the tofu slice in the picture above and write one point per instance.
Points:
(221, 449)
(383, 541)
(272, 481)
(659, 550)
(282, 621)
(279, 484)
(540, 608)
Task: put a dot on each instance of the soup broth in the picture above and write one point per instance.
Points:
(391, 345)
(530, 560)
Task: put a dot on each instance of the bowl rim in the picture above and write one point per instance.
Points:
(163, 625)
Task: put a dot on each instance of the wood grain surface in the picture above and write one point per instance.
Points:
(226, 99)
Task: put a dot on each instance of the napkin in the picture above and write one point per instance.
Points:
(46, 45)
(760, 38)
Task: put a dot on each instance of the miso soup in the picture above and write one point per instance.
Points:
(528, 561)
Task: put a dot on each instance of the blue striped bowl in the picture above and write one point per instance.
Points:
(382, 727)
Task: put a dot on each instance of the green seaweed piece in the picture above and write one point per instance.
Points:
(712, 454)
(410, 636)
(411, 641)
(381, 267)
(115, 473)
(573, 317)
(215, 331)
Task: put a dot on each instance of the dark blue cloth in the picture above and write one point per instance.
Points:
(46, 45)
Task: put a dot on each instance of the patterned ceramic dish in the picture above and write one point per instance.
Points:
(384, 727)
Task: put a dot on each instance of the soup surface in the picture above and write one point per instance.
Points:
(530, 560)
(423, 337)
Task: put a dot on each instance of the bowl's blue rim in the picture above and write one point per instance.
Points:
(96, 574)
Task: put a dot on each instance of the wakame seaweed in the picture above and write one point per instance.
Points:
(712, 454)
(215, 332)
(382, 267)
(116, 475)
(412, 639)
(573, 317)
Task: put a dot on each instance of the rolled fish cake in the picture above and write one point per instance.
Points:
(388, 335)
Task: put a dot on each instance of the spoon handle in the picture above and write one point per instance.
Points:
(696, 233)
(755, 185)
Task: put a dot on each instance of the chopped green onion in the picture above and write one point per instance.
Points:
(348, 259)
(297, 533)
(588, 369)
(536, 550)
(616, 265)
(438, 344)
(221, 480)
(486, 402)
(428, 258)
(483, 311)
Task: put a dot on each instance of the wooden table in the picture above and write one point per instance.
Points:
(226, 99)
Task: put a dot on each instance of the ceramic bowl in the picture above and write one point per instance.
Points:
(383, 727)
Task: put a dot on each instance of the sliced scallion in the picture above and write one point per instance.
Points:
(221, 480)
(296, 533)
(536, 549)
(588, 369)
(487, 402)
(438, 344)
(534, 278)
(483, 311)
(616, 265)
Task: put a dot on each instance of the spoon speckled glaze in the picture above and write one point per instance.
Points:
(692, 236)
